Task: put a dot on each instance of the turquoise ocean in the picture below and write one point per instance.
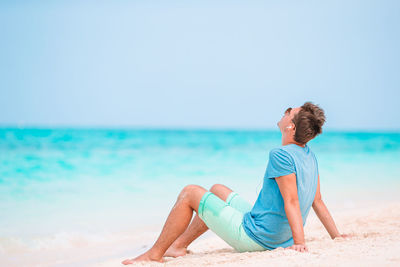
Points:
(89, 183)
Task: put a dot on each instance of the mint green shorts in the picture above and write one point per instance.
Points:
(226, 220)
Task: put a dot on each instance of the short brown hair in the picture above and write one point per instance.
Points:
(308, 122)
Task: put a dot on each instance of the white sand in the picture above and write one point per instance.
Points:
(376, 242)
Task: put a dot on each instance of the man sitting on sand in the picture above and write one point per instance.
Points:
(291, 187)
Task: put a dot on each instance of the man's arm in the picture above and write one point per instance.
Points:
(323, 214)
(288, 187)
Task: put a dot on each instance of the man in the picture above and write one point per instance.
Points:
(291, 187)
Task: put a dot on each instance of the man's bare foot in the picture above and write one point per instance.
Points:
(175, 252)
(143, 257)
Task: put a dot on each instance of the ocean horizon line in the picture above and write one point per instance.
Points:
(184, 128)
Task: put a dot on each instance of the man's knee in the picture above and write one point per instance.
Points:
(191, 194)
(191, 187)
(190, 190)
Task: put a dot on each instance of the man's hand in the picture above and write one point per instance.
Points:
(299, 247)
(345, 236)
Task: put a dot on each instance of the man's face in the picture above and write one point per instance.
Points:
(286, 119)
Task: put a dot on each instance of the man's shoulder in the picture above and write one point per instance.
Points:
(287, 149)
(291, 151)
(277, 150)
(280, 152)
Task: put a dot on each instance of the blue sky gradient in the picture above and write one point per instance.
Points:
(193, 64)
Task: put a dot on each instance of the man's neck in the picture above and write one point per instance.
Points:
(288, 142)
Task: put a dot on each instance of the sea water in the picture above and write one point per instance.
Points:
(67, 187)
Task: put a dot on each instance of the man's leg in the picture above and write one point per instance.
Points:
(196, 228)
(176, 223)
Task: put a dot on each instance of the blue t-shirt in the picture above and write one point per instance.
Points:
(267, 222)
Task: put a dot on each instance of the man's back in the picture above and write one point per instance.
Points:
(267, 222)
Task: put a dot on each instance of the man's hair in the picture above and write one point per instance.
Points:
(308, 122)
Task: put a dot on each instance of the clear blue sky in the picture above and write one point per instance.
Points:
(215, 64)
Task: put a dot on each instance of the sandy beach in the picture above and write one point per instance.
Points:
(376, 242)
